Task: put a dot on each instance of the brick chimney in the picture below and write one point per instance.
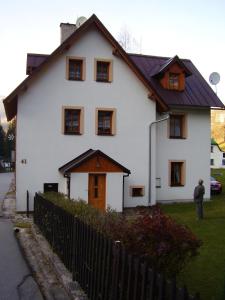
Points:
(66, 29)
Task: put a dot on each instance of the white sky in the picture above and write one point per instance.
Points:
(191, 29)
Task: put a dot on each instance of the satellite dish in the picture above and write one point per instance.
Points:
(80, 21)
(214, 78)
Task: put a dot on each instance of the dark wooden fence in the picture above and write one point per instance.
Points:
(103, 268)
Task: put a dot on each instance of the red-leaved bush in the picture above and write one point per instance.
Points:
(151, 235)
(157, 238)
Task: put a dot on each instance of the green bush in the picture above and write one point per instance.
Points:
(151, 235)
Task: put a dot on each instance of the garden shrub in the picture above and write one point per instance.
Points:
(151, 235)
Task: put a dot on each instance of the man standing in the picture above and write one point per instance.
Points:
(198, 198)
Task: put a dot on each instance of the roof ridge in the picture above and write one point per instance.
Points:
(156, 56)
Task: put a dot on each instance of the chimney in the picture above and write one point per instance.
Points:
(66, 30)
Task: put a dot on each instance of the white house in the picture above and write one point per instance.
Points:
(92, 122)
(217, 157)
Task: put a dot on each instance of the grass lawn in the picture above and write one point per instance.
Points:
(206, 273)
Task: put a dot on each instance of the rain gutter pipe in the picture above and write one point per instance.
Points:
(150, 156)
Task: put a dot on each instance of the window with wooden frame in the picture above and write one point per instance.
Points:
(173, 81)
(177, 126)
(137, 191)
(75, 68)
(73, 120)
(105, 121)
(177, 173)
(211, 161)
(103, 70)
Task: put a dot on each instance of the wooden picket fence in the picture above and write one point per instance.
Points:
(102, 267)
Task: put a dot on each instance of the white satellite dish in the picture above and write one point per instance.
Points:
(214, 78)
(80, 21)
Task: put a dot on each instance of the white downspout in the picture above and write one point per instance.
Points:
(150, 157)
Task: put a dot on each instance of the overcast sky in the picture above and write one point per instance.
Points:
(190, 29)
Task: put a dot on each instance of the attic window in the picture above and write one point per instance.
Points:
(103, 70)
(173, 81)
(75, 68)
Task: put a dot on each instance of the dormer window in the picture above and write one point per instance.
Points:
(173, 81)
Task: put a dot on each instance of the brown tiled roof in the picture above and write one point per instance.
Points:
(197, 91)
(79, 160)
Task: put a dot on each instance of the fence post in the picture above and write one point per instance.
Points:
(28, 209)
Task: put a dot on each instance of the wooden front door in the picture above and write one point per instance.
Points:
(96, 190)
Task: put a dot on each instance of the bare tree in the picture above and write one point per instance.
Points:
(127, 41)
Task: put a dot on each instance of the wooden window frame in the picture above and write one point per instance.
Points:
(110, 69)
(140, 187)
(182, 164)
(81, 120)
(113, 121)
(183, 129)
(174, 81)
(83, 67)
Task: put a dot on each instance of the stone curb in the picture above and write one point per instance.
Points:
(57, 283)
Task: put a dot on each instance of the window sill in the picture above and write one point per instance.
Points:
(70, 79)
(104, 81)
(72, 133)
(177, 138)
(177, 185)
(105, 134)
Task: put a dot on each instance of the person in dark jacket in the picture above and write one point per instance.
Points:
(198, 198)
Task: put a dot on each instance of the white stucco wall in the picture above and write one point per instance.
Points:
(217, 156)
(79, 186)
(39, 137)
(194, 150)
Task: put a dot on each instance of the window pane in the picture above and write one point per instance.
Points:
(72, 120)
(102, 71)
(104, 122)
(176, 173)
(176, 126)
(174, 81)
(75, 69)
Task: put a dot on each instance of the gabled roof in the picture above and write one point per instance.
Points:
(84, 157)
(171, 61)
(197, 92)
(34, 60)
(10, 102)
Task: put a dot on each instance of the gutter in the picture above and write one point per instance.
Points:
(150, 156)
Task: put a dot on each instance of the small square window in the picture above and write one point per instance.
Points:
(177, 126)
(75, 69)
(72, 120)
(137, 191)
(223, 155)
(177, 173)
(173, 81)
(105, 122)
(103, 70)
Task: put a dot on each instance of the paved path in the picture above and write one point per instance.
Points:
(5, 180)
(16, 282)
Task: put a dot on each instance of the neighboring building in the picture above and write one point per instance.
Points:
(91, 123)
(218, 127)
(217, 158)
